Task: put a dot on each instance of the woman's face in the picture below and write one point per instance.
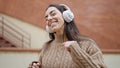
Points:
(54, 19)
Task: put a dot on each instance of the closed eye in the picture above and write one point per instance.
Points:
(52, 13)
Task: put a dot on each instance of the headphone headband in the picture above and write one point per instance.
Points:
(65, 6)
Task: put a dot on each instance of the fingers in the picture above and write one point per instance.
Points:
(34, 65)
(68, 43)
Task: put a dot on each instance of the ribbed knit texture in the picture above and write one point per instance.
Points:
(85, 55)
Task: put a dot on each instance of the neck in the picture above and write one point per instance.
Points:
(60, 35)
(60, 38)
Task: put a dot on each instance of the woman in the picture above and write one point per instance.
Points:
(67, 48)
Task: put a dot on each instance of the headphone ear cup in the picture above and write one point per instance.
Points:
(48, 29)
(68, 15)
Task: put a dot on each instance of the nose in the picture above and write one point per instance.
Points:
(49, 18)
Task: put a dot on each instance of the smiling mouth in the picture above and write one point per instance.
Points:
(53, 24)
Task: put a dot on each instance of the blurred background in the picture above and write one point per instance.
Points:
(22, 28)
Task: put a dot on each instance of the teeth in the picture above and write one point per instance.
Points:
(53, 24)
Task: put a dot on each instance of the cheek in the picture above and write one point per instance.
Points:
(61, 20)
(60, 25)
(60, 17)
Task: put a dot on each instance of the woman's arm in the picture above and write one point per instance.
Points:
(87, 54)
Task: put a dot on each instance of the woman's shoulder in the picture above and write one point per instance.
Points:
(87, 40)
(89, 45)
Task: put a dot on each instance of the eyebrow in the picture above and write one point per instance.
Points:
(50, 12)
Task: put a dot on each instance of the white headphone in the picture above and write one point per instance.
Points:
(67, 15)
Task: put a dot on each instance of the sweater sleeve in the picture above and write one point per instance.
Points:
(87, 55)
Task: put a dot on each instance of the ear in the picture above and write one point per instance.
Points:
(48, 29)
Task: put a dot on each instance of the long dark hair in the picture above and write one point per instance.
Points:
(70, 29)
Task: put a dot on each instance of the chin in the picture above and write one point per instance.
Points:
(54, 29)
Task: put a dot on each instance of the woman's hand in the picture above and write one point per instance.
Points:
(35, 64)
(67, 44)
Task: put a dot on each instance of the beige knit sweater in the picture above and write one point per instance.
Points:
(85, 55)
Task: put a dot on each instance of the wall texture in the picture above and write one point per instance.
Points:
(98, 19)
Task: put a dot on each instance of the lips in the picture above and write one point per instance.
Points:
(53, 24)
